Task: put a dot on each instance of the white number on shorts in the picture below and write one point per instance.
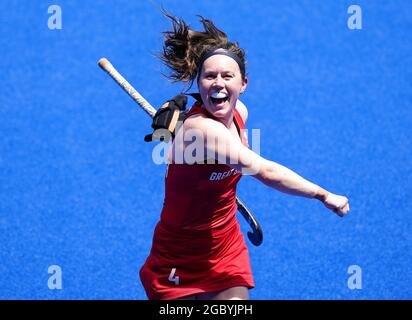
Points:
(174, 278)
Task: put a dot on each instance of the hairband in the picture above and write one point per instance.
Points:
(224, 52)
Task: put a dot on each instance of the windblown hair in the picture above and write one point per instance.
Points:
(183, 48)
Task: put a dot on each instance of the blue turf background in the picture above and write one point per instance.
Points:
(78, 187)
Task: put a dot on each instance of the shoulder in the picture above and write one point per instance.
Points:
(240, 106)
(202, 122)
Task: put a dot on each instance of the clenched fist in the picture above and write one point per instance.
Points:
(338, 204)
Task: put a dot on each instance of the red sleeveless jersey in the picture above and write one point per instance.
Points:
(197, 244)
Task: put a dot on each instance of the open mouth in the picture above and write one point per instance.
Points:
(218, 100)
(219, 97)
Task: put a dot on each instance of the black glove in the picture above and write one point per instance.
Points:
(166, 118)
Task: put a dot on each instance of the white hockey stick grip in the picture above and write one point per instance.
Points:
(126, 86)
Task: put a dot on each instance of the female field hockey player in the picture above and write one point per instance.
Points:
(198, 250)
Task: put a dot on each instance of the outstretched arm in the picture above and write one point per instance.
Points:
(285, 180)
(230, 151)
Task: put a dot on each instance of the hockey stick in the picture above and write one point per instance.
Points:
(256, 237)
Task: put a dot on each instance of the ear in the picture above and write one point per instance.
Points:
(244, 85)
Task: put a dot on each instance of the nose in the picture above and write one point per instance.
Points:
(218, 83)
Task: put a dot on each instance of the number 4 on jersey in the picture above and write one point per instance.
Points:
(174, 278)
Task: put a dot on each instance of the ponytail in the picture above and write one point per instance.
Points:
(184, 47)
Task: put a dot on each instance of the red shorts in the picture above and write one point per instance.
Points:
(182, 264)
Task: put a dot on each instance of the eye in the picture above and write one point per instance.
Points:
(228, 76)
(209, 76)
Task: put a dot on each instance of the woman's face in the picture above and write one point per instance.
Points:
(220, 84)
